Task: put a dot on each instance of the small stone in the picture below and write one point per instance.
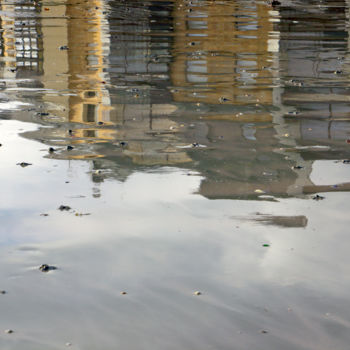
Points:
(64, 207)
(197, 293)
(317, 197)
(8, 331)
(24, 164)
(47, 268)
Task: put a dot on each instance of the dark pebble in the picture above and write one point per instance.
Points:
(64, 207)
(24, 164)
(69, 148)
(64, 47)
(47, 268)
(99, 123)
(51, 150)
(123, 143)
(317, 198)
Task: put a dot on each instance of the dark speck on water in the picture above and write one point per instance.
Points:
(24, 164)
(64, 208)
(47, 268)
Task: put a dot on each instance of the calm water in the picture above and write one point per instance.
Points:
(208, 146)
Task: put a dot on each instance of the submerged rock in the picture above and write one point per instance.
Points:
(47, 268)
(64, 207)
(24, 164)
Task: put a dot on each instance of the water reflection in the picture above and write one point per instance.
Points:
(166, 105)
(226, 76)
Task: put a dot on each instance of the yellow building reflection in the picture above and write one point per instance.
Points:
(221, 54)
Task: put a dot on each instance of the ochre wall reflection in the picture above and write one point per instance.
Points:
(219, 50)
(87, 42)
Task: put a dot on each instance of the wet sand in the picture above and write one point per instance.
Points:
(202, 200)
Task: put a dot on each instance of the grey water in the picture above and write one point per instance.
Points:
(182, 167)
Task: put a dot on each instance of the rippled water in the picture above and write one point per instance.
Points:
(200, 146)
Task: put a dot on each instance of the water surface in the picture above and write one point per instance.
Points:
(208, 151)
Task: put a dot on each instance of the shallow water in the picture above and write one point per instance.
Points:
(210, 153)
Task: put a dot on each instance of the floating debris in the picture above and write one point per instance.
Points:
(24, 164)
(47, 268)
(317, 198)
(64, 207)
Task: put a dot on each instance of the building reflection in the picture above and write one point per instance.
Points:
(221, 53)
(194, 84)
